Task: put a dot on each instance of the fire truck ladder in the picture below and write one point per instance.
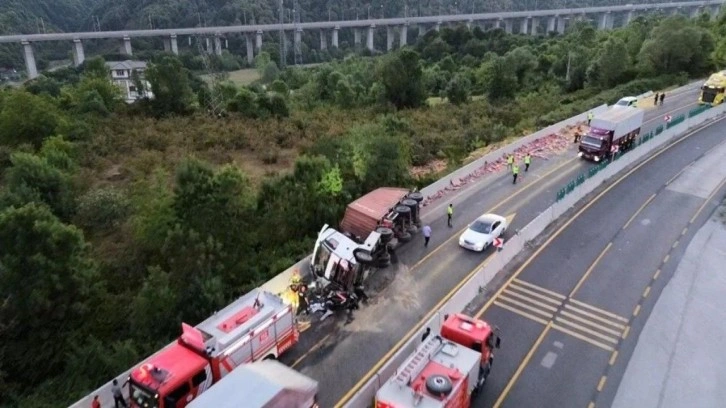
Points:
(417, 362)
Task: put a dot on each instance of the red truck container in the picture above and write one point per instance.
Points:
(257, 326)
(445, 371)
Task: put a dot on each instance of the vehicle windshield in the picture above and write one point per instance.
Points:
(142, 397)
(709, 94)
(481, 226)
(321, 259)
(623, 102)
(592, 141)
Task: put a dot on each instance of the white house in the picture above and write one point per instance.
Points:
(122, 74)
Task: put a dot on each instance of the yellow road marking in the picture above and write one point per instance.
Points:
(675, 244)
(591, 323)
(591, 405)
(602, 382)
(526, 306)
(541, 289)
(625, 332)
(708, 200)
(589, 270)
(523, 364)
(676, 176)
(684, 231)
(597, 309)
(513, 287)
(637, 310)
(613, 357)
(667, 257)
(647, 292)
(312, 349)
(521, 313)
(657, 273)
(594, 317)
(645, 204)
(583, 338)
(582, 328)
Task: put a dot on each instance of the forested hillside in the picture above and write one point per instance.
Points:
(119, 222)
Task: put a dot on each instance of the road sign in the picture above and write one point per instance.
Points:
(667, 118)
(614, 149)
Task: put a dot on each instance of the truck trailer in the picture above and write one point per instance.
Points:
(447, 370)
(262, 384)
(257, 326)
(612, 131)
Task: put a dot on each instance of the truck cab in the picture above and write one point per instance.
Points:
(475, 334)
(612, 131)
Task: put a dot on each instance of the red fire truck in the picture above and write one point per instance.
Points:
(446, 370)
(256, 326)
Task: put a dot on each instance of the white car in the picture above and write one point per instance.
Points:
(628, 101)
(480, 234)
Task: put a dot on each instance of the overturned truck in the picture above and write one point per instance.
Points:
(372, 227)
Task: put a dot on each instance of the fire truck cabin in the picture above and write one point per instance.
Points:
(470, 332)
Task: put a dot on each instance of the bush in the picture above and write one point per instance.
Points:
(102, 208)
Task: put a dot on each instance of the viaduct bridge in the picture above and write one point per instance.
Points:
(532, 22)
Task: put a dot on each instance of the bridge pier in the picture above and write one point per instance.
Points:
(174, 45)
(369, 37)
(551, 24)
(389, 38)
(78, 54)
(404, 35)
(250, 49)
(604, 22)
(524, 25)
(715, 9)
(217, 45)
(298, 39)
(629, 17)
(498, 24)
(323, 40)
(356, 37)
(508, 26)
(534, 26)
(29, 60)
(167, 44)
(335, 36)
(258, 40)
(695, 12)
(208, 48)
(438, 26)
(469, 23)
(561, 24)
(126, 46)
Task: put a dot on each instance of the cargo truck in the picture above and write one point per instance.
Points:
(612, 131)
(372, 226)
(712, 91)
(262, 384)
(447, 370)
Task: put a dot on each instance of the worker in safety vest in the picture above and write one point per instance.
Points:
(589, 118)
(295, 283)
(449, 214)
(527, 161)
(515, 172)
(510, 161)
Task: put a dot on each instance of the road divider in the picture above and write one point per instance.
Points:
(578, 316)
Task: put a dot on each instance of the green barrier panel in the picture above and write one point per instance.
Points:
(561, 194)
(570, 186)
(580, 179)
(698, 111)
(675, 121)
(659, 129)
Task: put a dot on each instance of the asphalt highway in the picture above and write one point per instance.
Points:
(572, 311)
(342, 357)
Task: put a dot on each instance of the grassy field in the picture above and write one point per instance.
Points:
(240, 77)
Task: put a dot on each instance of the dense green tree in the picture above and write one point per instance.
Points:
(676, 46)
(402, 78)
(46, 277)
(27, 118)
(244, 102)
(612, 64)
(458, 89)
(497, 78)
(170, 83)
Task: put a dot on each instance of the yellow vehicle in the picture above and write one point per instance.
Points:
(712, 92)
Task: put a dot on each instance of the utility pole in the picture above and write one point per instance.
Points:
(569, 60)
(282, 36)
(297, 45)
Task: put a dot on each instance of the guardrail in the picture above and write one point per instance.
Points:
(364, 396)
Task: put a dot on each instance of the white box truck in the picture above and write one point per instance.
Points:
(612, 131)
(262, 384)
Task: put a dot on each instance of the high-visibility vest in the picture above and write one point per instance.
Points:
(515, 169)
(510, 159)
(450, 210)
(589, 115)
(527, 159)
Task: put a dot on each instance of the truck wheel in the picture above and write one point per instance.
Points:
(439, 385)
(402, 209)
(363, 257)
(416, 195)
(384, 260)
(386, 234)
(405, 237)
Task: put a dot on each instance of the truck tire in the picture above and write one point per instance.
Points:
(384, 260)
(402, 209)
(405, 237)
(386, 234)
(363, 257)
(439, 385)
(416, 195)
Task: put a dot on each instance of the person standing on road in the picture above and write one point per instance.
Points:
(662, 96)
(95, 403)
(515, 172)
(118, 396)
(589, 118)
(655, 102)
(527, 161)
(427, 235)
(450, 214)
(510, 161)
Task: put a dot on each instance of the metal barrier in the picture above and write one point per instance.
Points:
(364, 397)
